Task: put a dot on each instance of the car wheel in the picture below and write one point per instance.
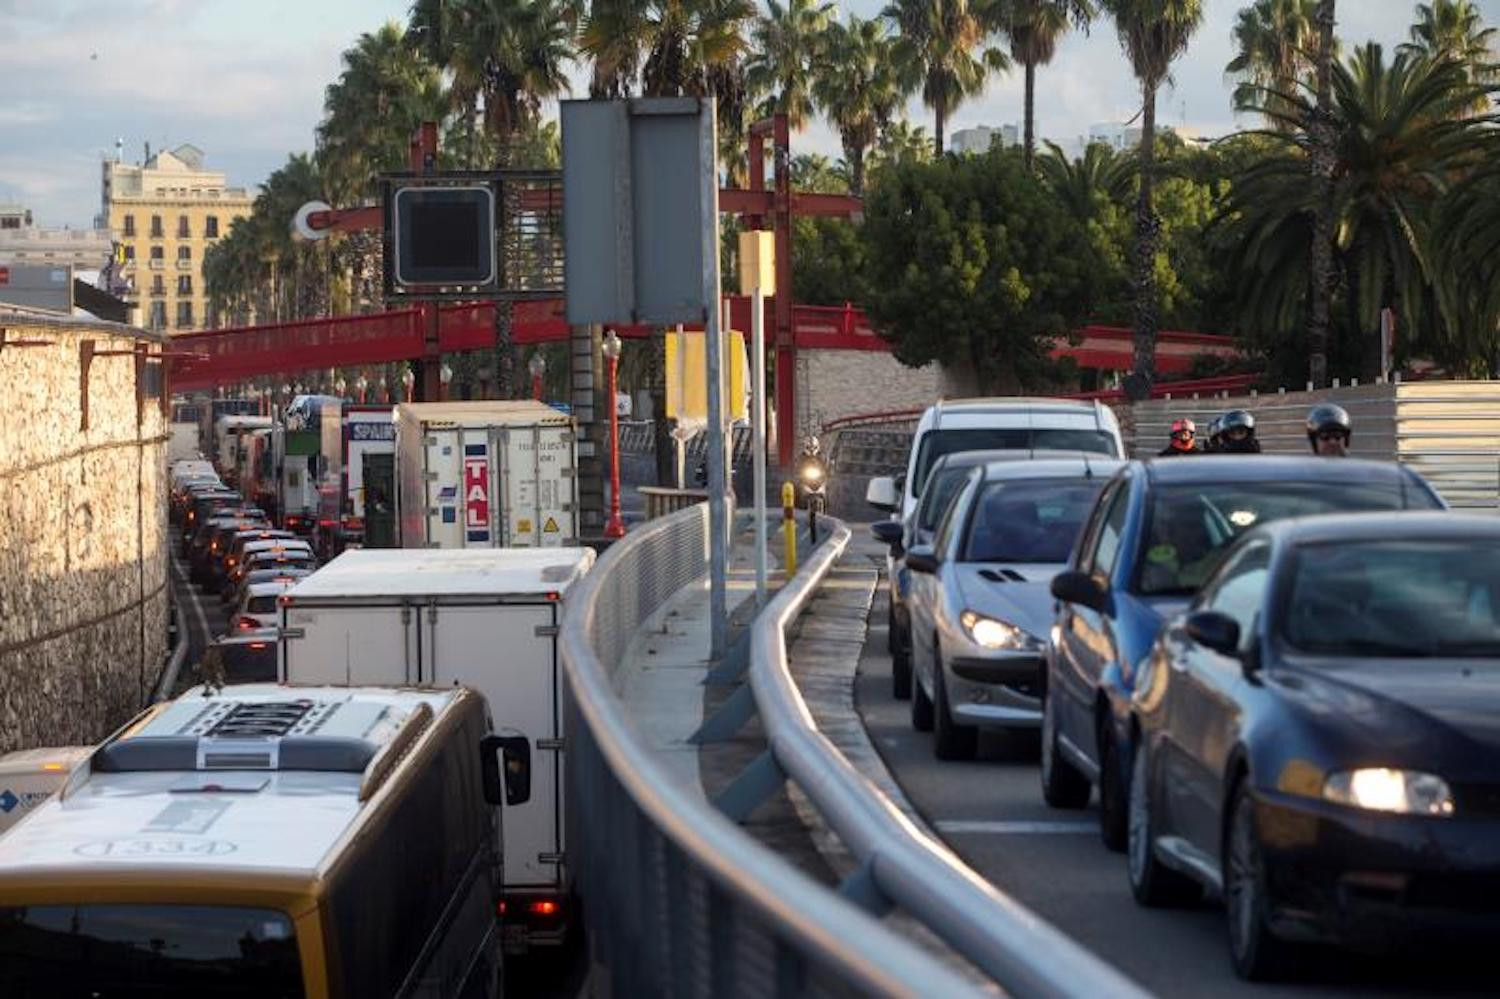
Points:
(1112, 793)
(1257, 953)
(1062, 785)
(890, 619)
(921, 706)
(1151, 882)
(951, 741)
(900, 664)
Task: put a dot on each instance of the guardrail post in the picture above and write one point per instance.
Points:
(757, 782)
(789, 526)
(728, 719)
(860, 888)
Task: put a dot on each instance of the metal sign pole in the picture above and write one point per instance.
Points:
(718, 561)
(758, 423)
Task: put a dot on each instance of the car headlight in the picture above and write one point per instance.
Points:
(992, 634)
(1379, 789)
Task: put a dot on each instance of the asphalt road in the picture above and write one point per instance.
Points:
(991, 813)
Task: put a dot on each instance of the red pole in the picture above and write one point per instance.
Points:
(615, 528)
(536, 387)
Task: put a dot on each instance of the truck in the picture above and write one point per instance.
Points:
(485, 475)
(368, 517)
(228, 432)
(309, 456)
(183, 434)
(486, 619)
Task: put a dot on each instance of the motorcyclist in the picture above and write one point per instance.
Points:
(1215, 441)
(1184, 440)
(812, 469)
(1329, 430)
(1238, 433)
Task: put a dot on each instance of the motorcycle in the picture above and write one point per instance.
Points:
(811, 480)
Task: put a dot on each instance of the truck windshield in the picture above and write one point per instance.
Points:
(940, 442)
(134, 951)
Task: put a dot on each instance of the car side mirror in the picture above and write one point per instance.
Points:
(888, 532)
(1215, 631)
(921, 558)
(882, 494)
(505, 762)
(1085, 589)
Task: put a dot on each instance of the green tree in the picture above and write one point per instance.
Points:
(941, 49)
(856, 87)
(970, 262)
(1153, 34)
(1034, 28)
(1322, 146)
(1455, 29)
(1276, 43)
(786, 48)
(1402, 138)
(901, 142)
(1101, 176)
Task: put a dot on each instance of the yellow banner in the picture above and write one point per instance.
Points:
(687, 381)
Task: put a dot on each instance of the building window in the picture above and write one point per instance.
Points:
(130, 226)
(156, 227)
(130, 253)
(211, 227)
(158, 318)
(183, 231)
(185, 284)
(184, 315)
(158, 286)
(156, 253)
(184, 253)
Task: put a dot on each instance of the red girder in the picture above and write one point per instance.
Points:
(218, 357)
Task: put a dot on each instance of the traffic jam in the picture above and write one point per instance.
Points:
(1275, 676)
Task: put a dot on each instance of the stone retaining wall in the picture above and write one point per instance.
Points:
(83, 528)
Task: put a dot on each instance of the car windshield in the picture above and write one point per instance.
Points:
(945, 485)
(940, 442)
(1191, 524)
(1029, 520)
(148, 950)
(1396, 598)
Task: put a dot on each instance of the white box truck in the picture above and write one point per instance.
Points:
(485, 475)
(486, 619)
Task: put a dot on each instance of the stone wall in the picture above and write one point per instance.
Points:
(83, 528)
(837, 383)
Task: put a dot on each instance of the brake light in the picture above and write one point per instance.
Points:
(545, 907)
(500, 908)
(247, 623)
(258, 645)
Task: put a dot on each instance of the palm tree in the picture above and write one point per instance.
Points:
(1455, 29)
(1276, 43)
(1100, 175)
(1034, 28)
(1400, 140)
(857, 89)
(1324, 162)
(901, 142)
(1153, 34)
(938, 48)
(787, 43)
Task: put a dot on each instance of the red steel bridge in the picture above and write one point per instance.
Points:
(226, 356)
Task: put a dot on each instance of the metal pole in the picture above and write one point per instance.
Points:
(616, 526)
(758, 430)
(718, 563)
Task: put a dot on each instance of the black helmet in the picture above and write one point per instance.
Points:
(1237, 418)
(1325, 418)
(1237, 433)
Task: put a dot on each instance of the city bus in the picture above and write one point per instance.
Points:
(269, 841)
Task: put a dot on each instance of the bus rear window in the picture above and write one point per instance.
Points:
(134, 951)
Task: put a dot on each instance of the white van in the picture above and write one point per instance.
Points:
(995, 425)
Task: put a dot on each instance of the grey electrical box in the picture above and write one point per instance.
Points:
(633, 180)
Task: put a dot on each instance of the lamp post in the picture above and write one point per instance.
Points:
(445, 376)
(339, 386)
(538, 367)
(615, 527)
(408, 382)
(361, 385)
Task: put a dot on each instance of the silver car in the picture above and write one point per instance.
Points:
(980, 603)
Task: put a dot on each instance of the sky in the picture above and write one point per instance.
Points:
(243, 80)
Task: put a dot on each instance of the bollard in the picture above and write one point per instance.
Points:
(789, 526)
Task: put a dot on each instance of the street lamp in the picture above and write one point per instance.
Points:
(383, 390)
(445, 376)
(361, 385)
(408, 381)
(538, 367)
(339, 386)
(615, 528)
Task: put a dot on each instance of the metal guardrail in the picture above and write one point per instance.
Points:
(678, 899)
(900, 864)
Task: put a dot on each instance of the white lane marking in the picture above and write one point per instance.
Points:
(1015, 828)
(193, 598)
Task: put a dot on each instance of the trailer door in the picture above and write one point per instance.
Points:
(349, 645)
(508, 653)
(537, 484)
(442, 473)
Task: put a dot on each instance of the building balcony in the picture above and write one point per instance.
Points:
(184, 265)
(158, 264)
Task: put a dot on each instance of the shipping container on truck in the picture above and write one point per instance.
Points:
(227, 435)
(486, 619)
(485, 475)
(369, 499)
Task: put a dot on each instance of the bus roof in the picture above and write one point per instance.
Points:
(256, 778)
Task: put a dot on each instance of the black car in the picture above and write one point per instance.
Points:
(1156, 533)
(246, 657)
(1319, 738)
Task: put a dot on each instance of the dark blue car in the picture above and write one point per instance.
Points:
(1155, 535)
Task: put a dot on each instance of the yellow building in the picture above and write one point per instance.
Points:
(164, 215)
